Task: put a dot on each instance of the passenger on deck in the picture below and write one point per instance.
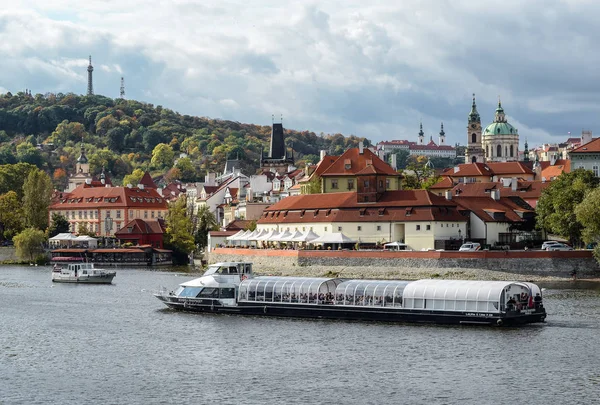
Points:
(537, 301)
(511, 304)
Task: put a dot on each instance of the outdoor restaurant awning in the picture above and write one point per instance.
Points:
(336, 237)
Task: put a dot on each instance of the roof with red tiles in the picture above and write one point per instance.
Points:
(445, 182)
(590, 147)
(147, 181)
(485, 208)
(469, 169)
(397, 142)
(323, 165)
(358, 161)
(237, 224)
(106, 197)
(552, 171)
(504, 168)
(141, 226)
(525, 189)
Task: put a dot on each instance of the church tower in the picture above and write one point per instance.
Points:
(474, 152)
(90, 69)
(421, 134)
(82, 165)
(442, 136)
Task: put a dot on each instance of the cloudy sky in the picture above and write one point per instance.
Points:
(373, 69)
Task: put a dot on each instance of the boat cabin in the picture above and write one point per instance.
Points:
(242, 269)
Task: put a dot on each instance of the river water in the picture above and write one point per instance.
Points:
(117, 344)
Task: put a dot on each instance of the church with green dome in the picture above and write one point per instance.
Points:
(498, 142)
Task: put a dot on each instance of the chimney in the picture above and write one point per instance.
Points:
(361, 148)
(496, 194)
(88, 181)
(141, 186)
(129, 185)
(394, 162)
(322, 154)
(586, 137)
(553, 159)
(448, 195)
(513, 184)
(456, 169)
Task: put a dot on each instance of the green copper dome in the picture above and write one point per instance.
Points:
(500, 128)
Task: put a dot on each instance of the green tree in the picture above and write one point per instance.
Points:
(11, 215)
(401, 159)
(29, 243)
(586, 213)
(206, 223)
(59, 224)
(313, 186)
(83, 230)
(556, 207)
(162, 156)
(251, 226)
(37, 192)
(418, 174)
(12, 177)
(186, 168)
(133, 178)
(178, 236)
(68, 131)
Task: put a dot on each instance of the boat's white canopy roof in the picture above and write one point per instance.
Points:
(210, 281)
(469, 290)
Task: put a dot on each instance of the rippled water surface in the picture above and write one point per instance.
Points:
(117, 344)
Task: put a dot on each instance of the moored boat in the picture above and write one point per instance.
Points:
(83, 273)
(231, 288)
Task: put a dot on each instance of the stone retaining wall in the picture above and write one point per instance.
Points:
(385, 264)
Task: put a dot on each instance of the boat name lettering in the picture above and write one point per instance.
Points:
(477, 314)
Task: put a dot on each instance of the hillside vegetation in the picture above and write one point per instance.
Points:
(122, 135)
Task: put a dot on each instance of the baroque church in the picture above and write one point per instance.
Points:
(498, 142)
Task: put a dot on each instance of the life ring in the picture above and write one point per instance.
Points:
(499, 322)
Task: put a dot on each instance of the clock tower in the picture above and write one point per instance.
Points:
(474, 152)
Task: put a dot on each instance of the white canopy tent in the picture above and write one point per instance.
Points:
(257, 235)
(281, 237)
(236, 236)
(395, 246)
(335, 237)
(91, 242)
(307, 236)
(267, 236)
(63, 239)
(291, 237)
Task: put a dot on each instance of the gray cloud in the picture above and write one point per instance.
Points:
(341, 66)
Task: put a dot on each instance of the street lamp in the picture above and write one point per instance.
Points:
(460, 235)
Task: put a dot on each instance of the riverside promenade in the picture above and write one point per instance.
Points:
(532, 265)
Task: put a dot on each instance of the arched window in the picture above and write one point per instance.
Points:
(487, 150)
(474, 159)
(512, 152)
(499, 151)
(473, 138)
(506, 151)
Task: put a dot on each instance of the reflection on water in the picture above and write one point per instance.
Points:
(73, 344)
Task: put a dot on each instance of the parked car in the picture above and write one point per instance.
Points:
(470, 247)
(559, 246)
(549, 243)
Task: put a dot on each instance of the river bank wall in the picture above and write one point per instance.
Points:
(482, 265)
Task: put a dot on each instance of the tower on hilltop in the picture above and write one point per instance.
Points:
(474, 152)
(90, 69)
(122, 91)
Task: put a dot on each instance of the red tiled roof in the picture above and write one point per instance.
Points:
(525, 189)
(147, 181)
(237, 224)
(358, 162)
(210, 189)
(104, 197)
(397, 142)
(573, 141)
(223, 233)
(488, 169)
(138, 226)
(500, 168)
(551, 171)
(445, 182)
(483, 206)
(323, 165)
(590, 147)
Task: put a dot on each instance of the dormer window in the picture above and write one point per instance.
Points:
(302, 213)
(316, 212)
(363, 211)
(347, 164)
(409, 211)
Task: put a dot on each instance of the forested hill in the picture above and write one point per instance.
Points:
(121, 135)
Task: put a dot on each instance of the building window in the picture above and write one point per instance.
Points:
(366, 199)
(339, 229)
(499, 151)
(152, 214)
(511, 151)
(380, 184)
(325, 229)
(108, 214)
(80, 215)
(85, 214)
(387, 184)
(118, 213)
(359, 228)
(473, 138)
(130, 214)
(350, 184)
(379, 227)
(428, 227)
(418, 227)
(334, 184)
(366, 183)
(595, 170)
(145, 214)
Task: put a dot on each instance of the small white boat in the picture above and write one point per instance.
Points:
(84, 273)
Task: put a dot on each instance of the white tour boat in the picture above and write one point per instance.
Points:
(84, 273)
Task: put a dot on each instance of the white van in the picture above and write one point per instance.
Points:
(470, 247)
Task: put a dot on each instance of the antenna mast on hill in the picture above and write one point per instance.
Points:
(122, 92)
(90, 87)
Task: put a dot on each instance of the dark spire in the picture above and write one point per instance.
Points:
(82, 158)
(526, 152)
(90, 87)
(442, 133)
(421, 133)
(474, 115)
(122, 90)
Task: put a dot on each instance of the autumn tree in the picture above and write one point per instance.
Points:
(29, 243)
(178, 235)
(11, 215)
(162, 156)
(133, 178)
(37, 192)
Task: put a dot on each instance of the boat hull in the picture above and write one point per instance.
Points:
(357, 313)
(102, 279)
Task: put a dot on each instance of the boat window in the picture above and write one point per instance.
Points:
(233, 270)
(373, 293)
(209, 292)
(85, 272)
(211, 270)
(227, 292)
(190, 292)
